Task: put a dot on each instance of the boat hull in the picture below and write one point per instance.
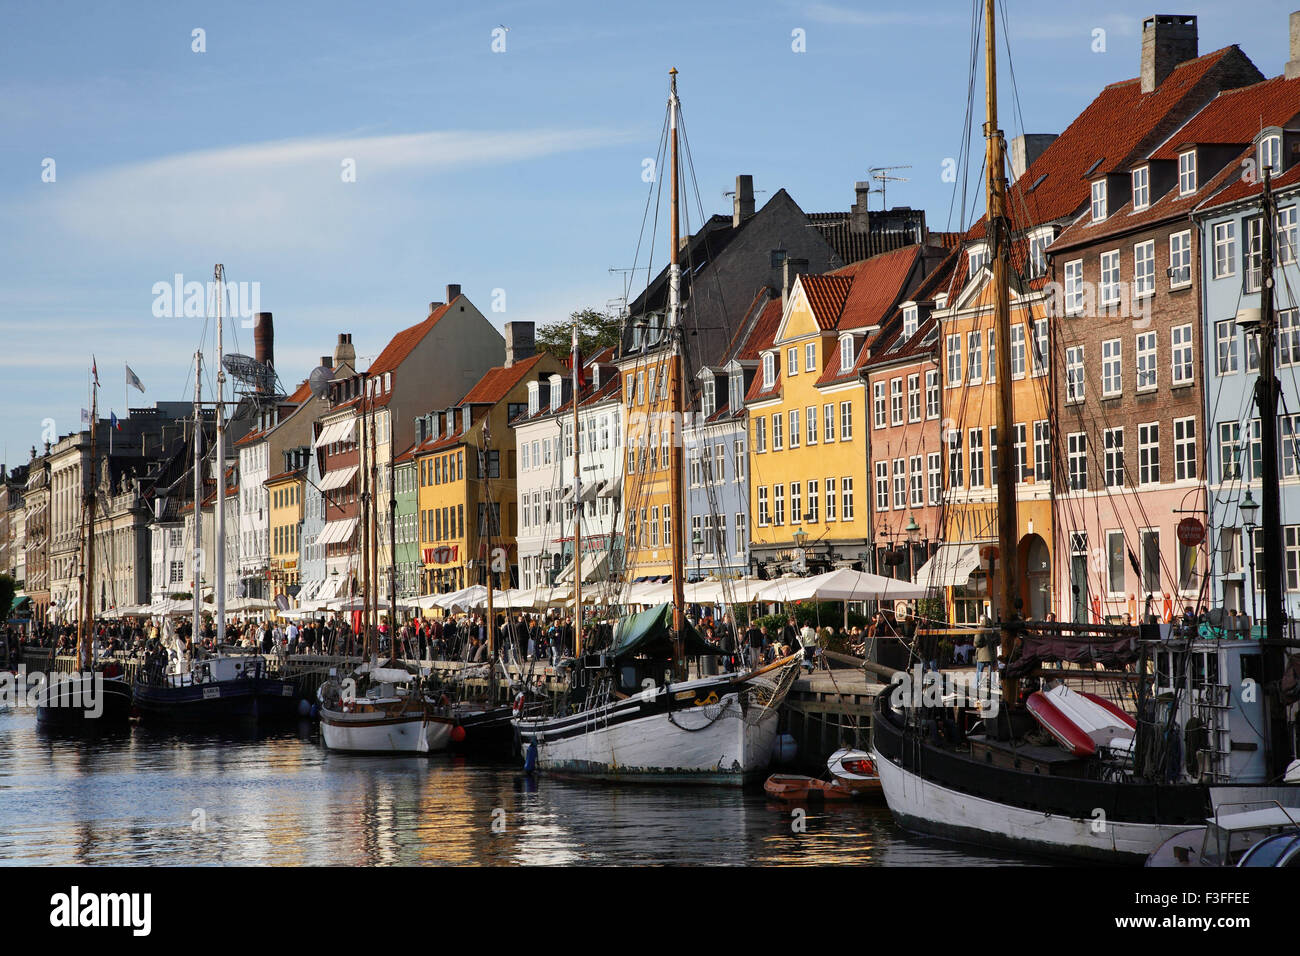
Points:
(243, 699)
(488, 733)
(641, 741)
(412, 733)
(62, 708)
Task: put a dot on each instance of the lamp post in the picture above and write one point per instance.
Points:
(800, 537)
(1249, 512)
(697, 545)
(912, 530)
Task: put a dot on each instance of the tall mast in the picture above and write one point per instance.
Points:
(198, 494)
(577, 505)
(1266, 399)
(392, 548)
(219, 517)
(365, 528)
(489, 628)
(374, 527)
(86, 615)
(999, 235)
(677, 405)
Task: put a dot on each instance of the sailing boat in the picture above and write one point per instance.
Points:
(191, 687)
(93, 697)
(1113, 787)
(633, 713)
(389, 707)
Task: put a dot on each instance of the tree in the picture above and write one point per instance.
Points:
(596, 331)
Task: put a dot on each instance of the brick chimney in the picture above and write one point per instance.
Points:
(742, 202)
(1167, 40)
(859, 215)
(264, 338)
(1293, 64)
(791, 268)
(453, 290)
(520, 342)
(1026, 148)
(344, 353)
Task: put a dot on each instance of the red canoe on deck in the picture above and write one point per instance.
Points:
(1081, 723)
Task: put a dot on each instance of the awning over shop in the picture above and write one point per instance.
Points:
(951, 566)
(336, 432)
(329, 587)
(337, 532)
(594, 565)
(338, 478)
(608, 489)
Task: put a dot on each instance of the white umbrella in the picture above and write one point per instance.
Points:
(473, 596)
(845, 584)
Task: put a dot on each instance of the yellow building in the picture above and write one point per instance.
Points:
(648, 381)
(284, 493)
(808, 411)
(968, 354)
(465, 467)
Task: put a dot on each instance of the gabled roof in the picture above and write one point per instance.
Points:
(404, 342)
(498, 382)
(878, 284)
(826, 297)
(1234, 117)
(764, 331)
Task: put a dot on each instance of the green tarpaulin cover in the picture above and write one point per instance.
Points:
(651, 633)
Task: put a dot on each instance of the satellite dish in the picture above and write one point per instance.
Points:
(249, 371)
(319, 380)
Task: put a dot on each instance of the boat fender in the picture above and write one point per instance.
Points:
(530, 758)
(518, 708)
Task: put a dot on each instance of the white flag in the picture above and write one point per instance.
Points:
(133, 379)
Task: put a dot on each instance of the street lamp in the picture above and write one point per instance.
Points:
(912, 530)
(1249, 512)
(800, 537)
(697, 545)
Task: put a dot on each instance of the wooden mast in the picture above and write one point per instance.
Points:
(86, 613)
(374, 526)
(198, 496)
(365, 526)
(999, 237)
(219, 458)
(677, 522)
(577, 503)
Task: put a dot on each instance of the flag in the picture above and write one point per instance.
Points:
(133, 379)
(85, 416)
(94, 370)
(575, 360)
(113, 422)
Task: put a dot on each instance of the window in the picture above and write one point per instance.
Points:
(828, 423)
(814, 502)
(954, 360)
(1042, 451)
(993, 357)
(1188, 577)
(778, 502)
(1040, 346)
(977, 259)
(1286, 235)
(1109, 288)
(1288, 337)
(1187, 172)
(1151, 561)
(846, 420)
(1074, 287)
(1180, 259)
(796, 502)
(914, 398)
(736, 390)
(792, 361)
(1225, 249)
(846, 353)
(763, 516)
(760, 435)
(1225, 346)
(1098, 200)
(976, 443)
(1181, 339)
(795, 430)
(1141, 188)
(896, 401)
(1022, 453)
(769, 372)
(740, 533)
(900, 486)
(1184, 449)
(954, 459)
(1038, 253)
(934, 475)
(668, 525)
(778, 429)
(720, 462)
(1254, 254)
(1115, 562)
(810, 357)
(916, 469)
(1144, 268)
(1149, 453)
(1270, 155)
(1290, 458)
(738, 459)
(974, 357)
(1146, 361)
(846, 497)
(810, 420)
(1112, 379)
(708, 396)
(1114, 442)
(910, 321)
(1074, 373)
(830, 499)
(1230, 450)
(882, 486)
(932, 394)
(1017, 351)
(878, 404)
(1077, 451)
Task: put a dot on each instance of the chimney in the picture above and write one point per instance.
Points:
(520, 342)
(1293, 64)
(742, 202)
(792, 268)
(327, 361)
(452, 292)
(264, 338)
(344, 353)
(1025, 149)
(1167, 40)
(859, 216)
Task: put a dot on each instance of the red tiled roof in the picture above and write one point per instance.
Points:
(404, 342)
(827, 295)
(764, 331)
(877, 286)
(297, 472)
(498, 382)
(756, 390)
(301, 393)
(1234, 117)
(1240, 189)
(253, 436)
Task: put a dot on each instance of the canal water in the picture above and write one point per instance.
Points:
(146, 797)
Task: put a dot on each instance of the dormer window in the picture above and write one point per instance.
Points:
(708, 396)
(1141, 188)
(556, 392)
(1187, 173)
(736, 387)
(1038, 243)
(534, 397)
(978, 258)
(636, 336)
(910, 321)
(1098, 200)
(769, 369)
(1270, 154)
(846, 353)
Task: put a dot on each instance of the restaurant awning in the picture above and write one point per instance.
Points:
(336, 431)
(338, 478)
(608, 489)
(951, 566)
(337, 532)
(594, 564)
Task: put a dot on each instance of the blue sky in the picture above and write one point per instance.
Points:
(517, 170)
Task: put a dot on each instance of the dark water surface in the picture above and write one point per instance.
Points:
(279, 798)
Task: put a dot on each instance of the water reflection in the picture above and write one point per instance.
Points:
(280, 799)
